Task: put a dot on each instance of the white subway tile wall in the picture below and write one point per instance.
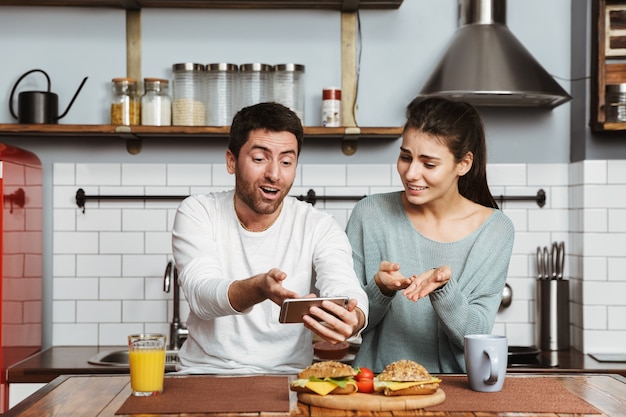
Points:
(109, 262)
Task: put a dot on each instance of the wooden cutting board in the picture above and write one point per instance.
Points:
(373, 402)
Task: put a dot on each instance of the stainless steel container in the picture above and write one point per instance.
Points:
(552, 326)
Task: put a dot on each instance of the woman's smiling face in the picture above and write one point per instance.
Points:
(427, 168)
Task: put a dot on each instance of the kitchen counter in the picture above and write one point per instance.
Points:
(50, 363)
(103, 395)
(568, 361)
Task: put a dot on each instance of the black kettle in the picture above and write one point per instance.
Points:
(39, 106)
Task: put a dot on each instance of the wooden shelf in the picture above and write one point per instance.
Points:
(135, 134)
(609, 126)
(14, 129)
(341, 5)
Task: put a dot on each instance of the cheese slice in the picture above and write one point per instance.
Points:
(320, 387)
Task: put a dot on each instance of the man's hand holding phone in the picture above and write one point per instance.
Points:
(333, 320)
(293, 310)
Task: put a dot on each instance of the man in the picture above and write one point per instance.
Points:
(240, 253)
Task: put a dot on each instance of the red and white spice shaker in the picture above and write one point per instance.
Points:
(331, 107)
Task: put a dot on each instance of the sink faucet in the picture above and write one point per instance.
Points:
(178, 330)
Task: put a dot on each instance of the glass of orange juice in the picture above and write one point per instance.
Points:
(146, 354)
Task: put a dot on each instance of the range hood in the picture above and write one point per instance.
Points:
(487, 66)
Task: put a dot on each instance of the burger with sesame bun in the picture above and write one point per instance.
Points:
(405, 377)
(327, 377)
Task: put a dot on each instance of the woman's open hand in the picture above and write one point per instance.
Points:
(389, 279)
(427, 282)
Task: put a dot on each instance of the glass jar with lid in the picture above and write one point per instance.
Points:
(288, 87)
(189, 98)
(156, 105)
(222, 93)
(255, 84)
(125, 103)
(615, 106)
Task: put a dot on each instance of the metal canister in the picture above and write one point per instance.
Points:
(222, 93)
(255, 84)
(552, 326)
(288, 87)
(615, 106)
(125, 103)
(189, 98)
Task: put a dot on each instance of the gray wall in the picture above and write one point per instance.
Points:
(399, 49)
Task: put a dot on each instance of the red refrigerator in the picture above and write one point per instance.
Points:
(21, 261)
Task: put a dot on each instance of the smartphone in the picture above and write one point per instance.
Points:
(292, 309)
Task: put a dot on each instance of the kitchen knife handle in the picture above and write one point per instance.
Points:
(539, 263)
(560, 261)
(554, 260)
(547, 273)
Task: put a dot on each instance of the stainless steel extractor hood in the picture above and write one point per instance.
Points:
(487, 66)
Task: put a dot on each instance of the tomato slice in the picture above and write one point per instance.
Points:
(365, 385)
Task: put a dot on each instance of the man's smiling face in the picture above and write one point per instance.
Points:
(265, 170)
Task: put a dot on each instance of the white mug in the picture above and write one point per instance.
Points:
(486, 358)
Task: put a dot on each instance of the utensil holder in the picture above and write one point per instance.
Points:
(552, 319)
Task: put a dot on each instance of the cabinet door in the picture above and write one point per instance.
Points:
(608, 52)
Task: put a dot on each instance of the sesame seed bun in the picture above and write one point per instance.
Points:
(327, 369)
(404, 371)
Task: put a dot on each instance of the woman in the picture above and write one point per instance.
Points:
(433, 258)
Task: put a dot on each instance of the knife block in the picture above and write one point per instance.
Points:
(552, 326)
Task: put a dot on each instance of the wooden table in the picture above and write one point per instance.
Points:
(103, 395)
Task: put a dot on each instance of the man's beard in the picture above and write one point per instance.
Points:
(249, 195)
